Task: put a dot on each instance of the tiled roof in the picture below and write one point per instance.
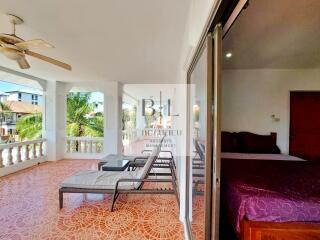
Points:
(22, 107)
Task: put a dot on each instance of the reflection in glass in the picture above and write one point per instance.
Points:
(198, 134)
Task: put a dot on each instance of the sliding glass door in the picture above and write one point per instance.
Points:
(203, 167)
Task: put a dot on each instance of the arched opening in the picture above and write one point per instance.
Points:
(84, 122)
(22, 106)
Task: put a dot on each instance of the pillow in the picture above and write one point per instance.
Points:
(228, 142)
(254, 143)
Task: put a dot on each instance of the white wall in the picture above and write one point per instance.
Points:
(250, 97)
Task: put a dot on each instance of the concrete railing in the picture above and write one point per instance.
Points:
(14, 153)
(129, 135)
(84, 144)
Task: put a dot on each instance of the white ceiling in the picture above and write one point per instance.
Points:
(275, 34)
(131, 41)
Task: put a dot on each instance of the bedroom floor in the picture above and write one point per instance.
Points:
(29, 209)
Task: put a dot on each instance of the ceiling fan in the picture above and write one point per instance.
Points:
(15, 48)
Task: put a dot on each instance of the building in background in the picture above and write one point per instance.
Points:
(23, 95)
(8, 119)
(20, 102)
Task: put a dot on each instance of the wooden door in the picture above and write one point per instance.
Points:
(305, 125)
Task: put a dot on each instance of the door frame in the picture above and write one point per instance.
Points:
(208, 44)
(213, 45)
(223, 14)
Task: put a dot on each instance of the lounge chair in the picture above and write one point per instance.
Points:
(138, 159)
(198, 167)
(117, 182)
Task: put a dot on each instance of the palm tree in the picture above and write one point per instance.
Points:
(5, 112)
(29, 126)
(80, 121)
(4, 107)
(80, 118)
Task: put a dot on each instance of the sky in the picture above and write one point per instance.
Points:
(6, 86)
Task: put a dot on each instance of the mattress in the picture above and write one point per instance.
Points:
(259, 156)
(271, 191)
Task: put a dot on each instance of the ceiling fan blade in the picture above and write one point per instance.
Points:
(23, 64)
(49, 60)
(9, 38)
(37, 43)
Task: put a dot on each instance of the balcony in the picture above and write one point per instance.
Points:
(29, 209)
(84, 147)
(20, 155)
(29, 206)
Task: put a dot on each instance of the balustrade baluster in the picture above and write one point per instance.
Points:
(27, 157)
(68, 146)
(41, 149)
(10, 158)
(71, 146)
(19, 154)
(34, 155)
(90, 146)
(1, 159)
(85, 146)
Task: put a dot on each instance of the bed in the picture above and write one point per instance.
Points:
(271, 195)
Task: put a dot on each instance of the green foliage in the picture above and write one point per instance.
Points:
(5, 113)
(80, 119)
(4, 107)
(29, 126)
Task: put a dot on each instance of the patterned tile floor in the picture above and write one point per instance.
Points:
(29, 209)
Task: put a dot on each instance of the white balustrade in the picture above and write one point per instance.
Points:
(84, 144)
(15, 153)
(129, 135)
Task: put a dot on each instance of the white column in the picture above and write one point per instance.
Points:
(139, 118)
(112, 127)
(55, 120)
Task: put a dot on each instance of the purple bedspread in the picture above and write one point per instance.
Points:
(271, 191)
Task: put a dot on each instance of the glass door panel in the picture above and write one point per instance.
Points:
(200, 91)
(203, 166)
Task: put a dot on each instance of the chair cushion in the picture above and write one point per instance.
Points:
(91, 179)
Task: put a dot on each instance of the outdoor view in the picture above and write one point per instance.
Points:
(21, 110)
(84, 122)
(20, 113)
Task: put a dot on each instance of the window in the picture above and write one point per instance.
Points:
(34, 99)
